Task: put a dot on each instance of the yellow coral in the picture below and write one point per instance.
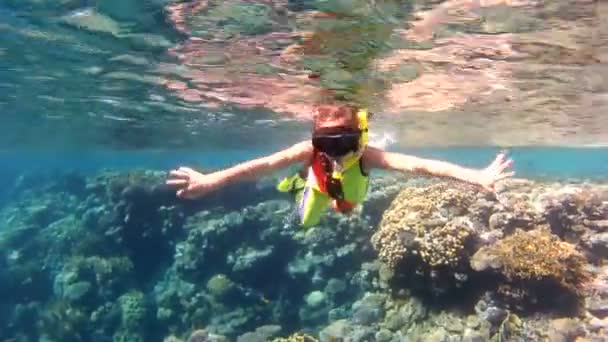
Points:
(417, 212)
(298, 337)
(538, 254)
(445, 246)
(389, 245)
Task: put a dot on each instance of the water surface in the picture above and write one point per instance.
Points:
(143, 74)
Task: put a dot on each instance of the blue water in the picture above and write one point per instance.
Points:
(82, 89)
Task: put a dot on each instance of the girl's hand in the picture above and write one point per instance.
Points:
(192, 184)
(495, 172)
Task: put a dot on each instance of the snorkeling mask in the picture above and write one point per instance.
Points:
(338, 142)
(346, 145)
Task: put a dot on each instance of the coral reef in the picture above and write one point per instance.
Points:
(132, 317)
(124, 260)
(430, 231)
(296, 338)
(525, 248)
(534, 255)
(445, 246)
(416, 223)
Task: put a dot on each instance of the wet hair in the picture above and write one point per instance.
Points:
(326, 112)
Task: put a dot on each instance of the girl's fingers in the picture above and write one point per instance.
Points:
(186, 170)
(497, 161)
(182, 193)
(179, 174)
(506, 164)
(177, 182)
(505, 175)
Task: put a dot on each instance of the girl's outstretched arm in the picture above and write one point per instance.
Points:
(487, 177)
(193, 184)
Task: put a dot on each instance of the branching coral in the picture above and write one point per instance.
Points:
(62, 322)
(109, 275)
(133, 309)
(133, 317)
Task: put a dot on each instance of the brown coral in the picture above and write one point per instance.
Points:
(418, 217)
(390, 245)
(535, 255)
(446, 246)
(298, 337)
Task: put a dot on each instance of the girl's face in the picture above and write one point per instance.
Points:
(336, 133)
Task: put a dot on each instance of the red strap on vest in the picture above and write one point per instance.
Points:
(343, 206)
(321, 177)
(317, 170)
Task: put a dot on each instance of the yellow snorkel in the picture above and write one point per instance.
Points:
(362, 117)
